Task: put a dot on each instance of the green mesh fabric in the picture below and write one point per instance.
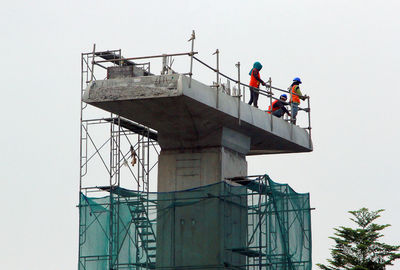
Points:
(288, 228)
(257, 225)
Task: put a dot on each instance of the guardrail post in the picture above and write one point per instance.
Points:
(270, 102)
(217, 70)
(94, 51)
(291, 113)
(164, 65)
(239, 90)
(309, 121)
(192, 38)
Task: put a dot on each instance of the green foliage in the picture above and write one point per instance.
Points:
(359, 248)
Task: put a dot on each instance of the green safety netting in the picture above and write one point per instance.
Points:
(258, 224)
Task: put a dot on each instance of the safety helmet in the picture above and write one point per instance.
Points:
(257, 65)
(283, 96)
(297, 79)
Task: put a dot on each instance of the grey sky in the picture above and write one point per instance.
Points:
(346, 53)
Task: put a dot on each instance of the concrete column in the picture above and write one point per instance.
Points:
(198, 228)
(215, 157)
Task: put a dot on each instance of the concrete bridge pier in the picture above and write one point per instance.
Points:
(219, 155)
(201, 233)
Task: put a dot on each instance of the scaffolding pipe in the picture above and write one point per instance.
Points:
(192, 38)
(291, 113)
(217, 71)
(270, 103)
(309, 121)
(145, 57)
(239, 91)
(265, 93)
(93, 55)
(110, 245)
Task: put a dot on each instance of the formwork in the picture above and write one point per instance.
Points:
(264, 225)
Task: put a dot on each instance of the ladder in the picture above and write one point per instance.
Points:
(144, 229)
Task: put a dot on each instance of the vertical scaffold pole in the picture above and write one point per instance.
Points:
(80, 164)
(81, 130)
(148, 164)
(259, 224)
(309, 122)
(164, 65)
(291, 113)
(94, 51)
(111, 202)
(270, 102)
(217, 70)
(192, 38)
(239, 91)
(118, 181)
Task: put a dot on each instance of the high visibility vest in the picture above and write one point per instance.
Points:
(273, 109)
(294, 97)
(253, 80)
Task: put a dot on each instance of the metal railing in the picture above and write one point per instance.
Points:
(267, 93)
(238, 92)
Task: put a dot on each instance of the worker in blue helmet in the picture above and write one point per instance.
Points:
(278, 107)
(295, 96)
(255, 80)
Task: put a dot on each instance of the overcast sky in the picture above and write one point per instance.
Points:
(346, 53)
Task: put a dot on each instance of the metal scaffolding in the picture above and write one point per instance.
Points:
(266, 225)
(125, 155)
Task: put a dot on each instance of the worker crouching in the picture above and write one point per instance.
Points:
(278, 107)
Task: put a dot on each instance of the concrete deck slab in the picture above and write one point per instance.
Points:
(190, 117)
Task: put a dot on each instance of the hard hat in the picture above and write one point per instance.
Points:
(297, 79)
(257, 65)
(283, 96)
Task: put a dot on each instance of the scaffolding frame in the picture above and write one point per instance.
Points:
(139, 141)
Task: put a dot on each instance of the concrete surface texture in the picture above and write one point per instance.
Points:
(201, 137)
(198, 229)
(187, 117)
(180, 171)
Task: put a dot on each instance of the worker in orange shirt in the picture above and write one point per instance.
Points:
(295, 95)
(278, 108)
(255, 81)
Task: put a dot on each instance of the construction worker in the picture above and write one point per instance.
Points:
(278, 107)
(255, 81)
(295, 96)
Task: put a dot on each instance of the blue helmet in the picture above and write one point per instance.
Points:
(283, 96)
(297, 79)
(257, 65)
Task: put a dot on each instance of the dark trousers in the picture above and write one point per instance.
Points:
(278, 113)
(254, 96)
